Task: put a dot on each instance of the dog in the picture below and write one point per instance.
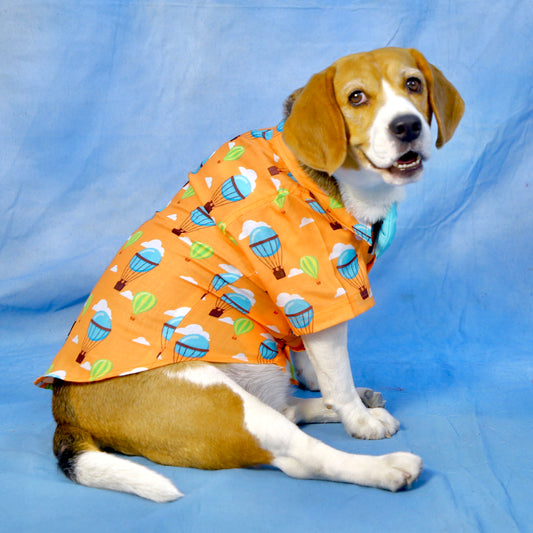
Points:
(185, 351)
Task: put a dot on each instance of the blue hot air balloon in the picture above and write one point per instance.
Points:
(142, 262)
(315, 206)
(300, 314)
(363, 232)
(99, 328)
(268, 349)
(199, 218)
(265, 134)
(265, 244)
(232, 299)
(348, 267)
(234, 189)
(191, 346)
(221, 280)
(169, 327)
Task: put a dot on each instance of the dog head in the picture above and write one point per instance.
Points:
(372, 111)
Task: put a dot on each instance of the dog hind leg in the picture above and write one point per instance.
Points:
(302, 456)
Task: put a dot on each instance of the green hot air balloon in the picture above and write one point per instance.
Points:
(199, 250)
(279, 201)
(142, 302)
(234, 154)
(88, 302)
(189, 191)
(100, 368)
(309, 264)
(242, 326)
(334, 203)
(133, 238)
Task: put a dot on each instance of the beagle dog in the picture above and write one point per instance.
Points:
(353, 137)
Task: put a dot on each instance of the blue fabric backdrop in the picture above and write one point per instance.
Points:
(104, 108)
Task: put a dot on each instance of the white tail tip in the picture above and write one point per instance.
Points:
(106, 471)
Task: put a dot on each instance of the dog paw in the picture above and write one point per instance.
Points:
(398, 470)
(373, 424)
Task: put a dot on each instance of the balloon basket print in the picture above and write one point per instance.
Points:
(99, 328)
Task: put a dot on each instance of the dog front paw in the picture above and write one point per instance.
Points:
(397, 470)
(372, 424)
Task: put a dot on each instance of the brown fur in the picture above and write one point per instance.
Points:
(168, 420)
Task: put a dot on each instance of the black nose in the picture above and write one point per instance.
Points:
(406, 128)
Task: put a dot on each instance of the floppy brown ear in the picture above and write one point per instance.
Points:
(446, 103)
(315, 130)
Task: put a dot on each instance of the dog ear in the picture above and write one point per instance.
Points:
(446, 103)
(315, 130)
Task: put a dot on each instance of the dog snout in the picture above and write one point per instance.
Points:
(406, 128)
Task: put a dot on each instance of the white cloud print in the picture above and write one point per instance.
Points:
(249, 226)
(141, 340)
(193, 329)
(250, 174)
(155, 243)
(102, 306)
(284, 298)
(338, 249)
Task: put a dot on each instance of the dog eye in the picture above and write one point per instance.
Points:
(357, 98)
(414, 85)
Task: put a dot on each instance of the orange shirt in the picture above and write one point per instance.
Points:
(246, 258)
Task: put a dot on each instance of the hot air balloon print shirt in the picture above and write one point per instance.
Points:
(249, 256)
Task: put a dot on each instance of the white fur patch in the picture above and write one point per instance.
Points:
(106, 471)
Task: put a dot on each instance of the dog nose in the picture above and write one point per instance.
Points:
(406, 128)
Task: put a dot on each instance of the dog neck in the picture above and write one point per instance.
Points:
(363, 193)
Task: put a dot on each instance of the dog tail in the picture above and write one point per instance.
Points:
(82, 461)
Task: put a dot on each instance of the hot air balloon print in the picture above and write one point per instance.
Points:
(234, 189)
(132, 239)
(309, 265)
(315, 206)
(268, 349)
(349, 268)
(235, 153)
(241, 326)
(142, 302)
(99, 328)
(200, 250)
(236, 300)
(221, 280)
(169, 327)
(199, 218)
(193, 346)
(100, 368)
(281, 196)
(300, 315)
(265, 134)
(265, 244)
(141, 263)
(363, 232)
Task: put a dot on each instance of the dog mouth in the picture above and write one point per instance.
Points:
(407, 165)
